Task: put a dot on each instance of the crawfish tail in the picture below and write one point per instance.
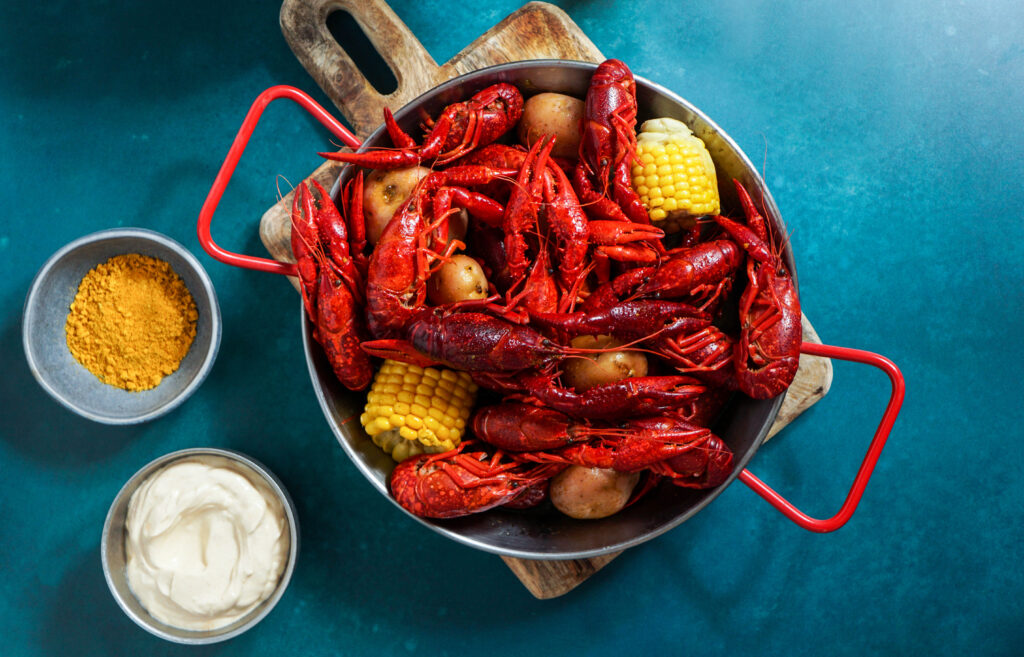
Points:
(478, 342)
(523, 206)
(693, 270)
(631, 446)
(456, 484)
(768, 351)
(517, 427)
(629, 320)
(340, 328)
(646, 395)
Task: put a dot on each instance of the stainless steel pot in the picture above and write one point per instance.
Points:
(539, 533)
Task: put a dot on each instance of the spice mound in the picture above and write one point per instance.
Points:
(132, 321)
(207, 542)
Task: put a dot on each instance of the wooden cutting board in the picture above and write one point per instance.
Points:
(536, 31)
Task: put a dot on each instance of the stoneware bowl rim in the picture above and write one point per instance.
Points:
(205, 296)
(113, 535)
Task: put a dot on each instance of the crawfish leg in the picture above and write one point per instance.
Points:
(624, 120)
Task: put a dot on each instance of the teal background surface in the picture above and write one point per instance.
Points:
(890, 136)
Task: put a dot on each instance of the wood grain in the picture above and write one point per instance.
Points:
(535, 31)
(550, 579)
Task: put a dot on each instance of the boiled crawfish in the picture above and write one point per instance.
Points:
(460, 482)
(331, 285)
(687, 453)
(415, 240)
(768, 351)
(459, 129)
(608, 146)
(569, 251)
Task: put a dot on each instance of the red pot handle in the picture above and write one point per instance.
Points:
(231, 161)
(874, 450)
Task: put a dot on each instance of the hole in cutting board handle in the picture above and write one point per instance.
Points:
(350, 36)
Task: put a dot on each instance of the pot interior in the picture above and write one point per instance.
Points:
(544, 533)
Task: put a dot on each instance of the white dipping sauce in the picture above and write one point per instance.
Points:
(206, 542)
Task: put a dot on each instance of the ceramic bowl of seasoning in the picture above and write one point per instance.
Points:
(216, 523)
(143, 334)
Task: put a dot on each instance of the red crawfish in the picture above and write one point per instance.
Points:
(523, 208)
(460, 482)
(768, 351)
(539, 291)
(414, 241)
(459, 129)
(690, 455)
(352, 204)
(519, 427)
(473, 342)
(703, 272)
(626, 320)
(502, 156)
(608, 146)
(643, 395)
(329, 285)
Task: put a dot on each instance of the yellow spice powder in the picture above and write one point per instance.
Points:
(132, 321)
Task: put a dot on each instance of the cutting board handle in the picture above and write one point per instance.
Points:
(304, 24)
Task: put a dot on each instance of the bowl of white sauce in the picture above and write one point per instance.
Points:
(199, 545)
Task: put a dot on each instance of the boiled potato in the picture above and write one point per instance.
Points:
(591, 493)
(597, 369)
(557, 114)
(459, 279)
(383, 193)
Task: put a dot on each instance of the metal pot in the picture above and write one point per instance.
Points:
(539, 533)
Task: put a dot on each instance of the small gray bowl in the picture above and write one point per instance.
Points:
(46, 311)
(112, 551)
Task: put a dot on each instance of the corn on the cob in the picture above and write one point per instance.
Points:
(676, 177)
(413, 410)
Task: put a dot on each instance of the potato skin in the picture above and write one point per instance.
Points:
(459, 279)
(597, 369)
(551, 113)
(383, 193)
(591, 493)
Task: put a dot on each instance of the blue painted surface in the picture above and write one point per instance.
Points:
(890, 136)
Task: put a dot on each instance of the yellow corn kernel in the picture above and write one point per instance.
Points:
(676, 176)
(412, 410)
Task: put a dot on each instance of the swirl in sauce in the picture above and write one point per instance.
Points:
(206, 542)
